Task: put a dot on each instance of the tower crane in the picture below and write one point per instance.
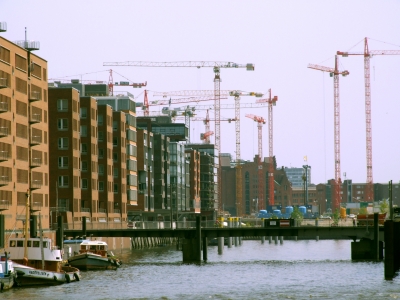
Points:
(121, 83)
(239, 179)
(336, 100)
(367, 55)
(217, 66)
(271, 180)
(260, 121)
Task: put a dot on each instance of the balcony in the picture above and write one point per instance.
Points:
(36, 184)
(85, 210)
(36, 206)
(35, 118)
(35, 140)
(36, 162)
(4, 180)
(3, 107)
(4, 156)
(3, 83)
(4, 131)
(4, 205)
(34, 96)
(117, 211)
(102, 210)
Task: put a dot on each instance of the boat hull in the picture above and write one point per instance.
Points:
(27, 276)
(6, 282)
(90, 261)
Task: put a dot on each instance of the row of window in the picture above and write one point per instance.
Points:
(63, 182)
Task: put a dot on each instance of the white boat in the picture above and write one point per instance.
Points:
(94, 255)
(44, 266)
(7, 272)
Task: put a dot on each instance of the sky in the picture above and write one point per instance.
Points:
(279, 37)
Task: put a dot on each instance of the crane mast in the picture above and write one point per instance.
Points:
(260, 121)
(336, 125)
(271, 180)
(368, 124)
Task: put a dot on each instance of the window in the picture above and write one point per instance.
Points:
(115, 188)
(83, 113)
(63, 143)
(100, 120)
(84, 148)
(101, 186)
(115, 172)
(101, 136)
(84, 166)
(62, 105)
(63, 181)
(84, 183)
(101, 169)
(101, 152)
(115, 125)
(115, 141)
(83, 130)
(63, 162)
(62, 124)
(115, 157)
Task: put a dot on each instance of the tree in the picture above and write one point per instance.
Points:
(297, 215)
(335, 217)
(384, 206)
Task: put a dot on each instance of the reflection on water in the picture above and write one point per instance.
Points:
(294, 270)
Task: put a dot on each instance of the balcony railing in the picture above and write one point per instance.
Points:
(36, 184)
(59, 209)
(4, 180)
(102, 210)
(36, 140)
(36, 206)
(3, 107)
(36, 162)
(117, 211)
(4, 204)
(85, 210)
(3, 83)
(35, 118)
(4, 155)
(34, 96)
(3, 131)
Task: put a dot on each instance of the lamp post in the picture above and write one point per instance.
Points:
(306, 167)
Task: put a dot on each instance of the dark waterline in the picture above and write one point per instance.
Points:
(294, 270)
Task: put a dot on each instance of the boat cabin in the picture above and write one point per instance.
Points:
(52, 255)
(96, 247)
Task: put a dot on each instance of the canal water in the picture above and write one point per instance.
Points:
(295, 270)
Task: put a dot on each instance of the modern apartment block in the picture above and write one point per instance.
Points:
(295, 176)
(125, 104)
(193, 172)
(161, 173)
(64, 155)
(24, 143)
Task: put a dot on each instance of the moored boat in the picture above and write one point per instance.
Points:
(94, 255)
(44, 266)
(7, 272)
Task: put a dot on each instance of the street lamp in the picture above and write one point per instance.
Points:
(306, 167)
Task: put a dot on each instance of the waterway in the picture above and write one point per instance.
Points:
(294, 270)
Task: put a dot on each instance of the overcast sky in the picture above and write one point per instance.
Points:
(280, 37)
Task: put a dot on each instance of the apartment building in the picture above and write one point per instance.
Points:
(64, 155)
(24, 147)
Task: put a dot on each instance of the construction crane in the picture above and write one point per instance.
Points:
(336, 112)
(367, 55)
(239, 179)
(111, 83)
(271, 179)
(260, 121)
(206, 136)
(217, 66)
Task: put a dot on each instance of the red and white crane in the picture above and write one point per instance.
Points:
(260, 121)
(271, 179)
(367, 55)
(336, 107)
(217, 66)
